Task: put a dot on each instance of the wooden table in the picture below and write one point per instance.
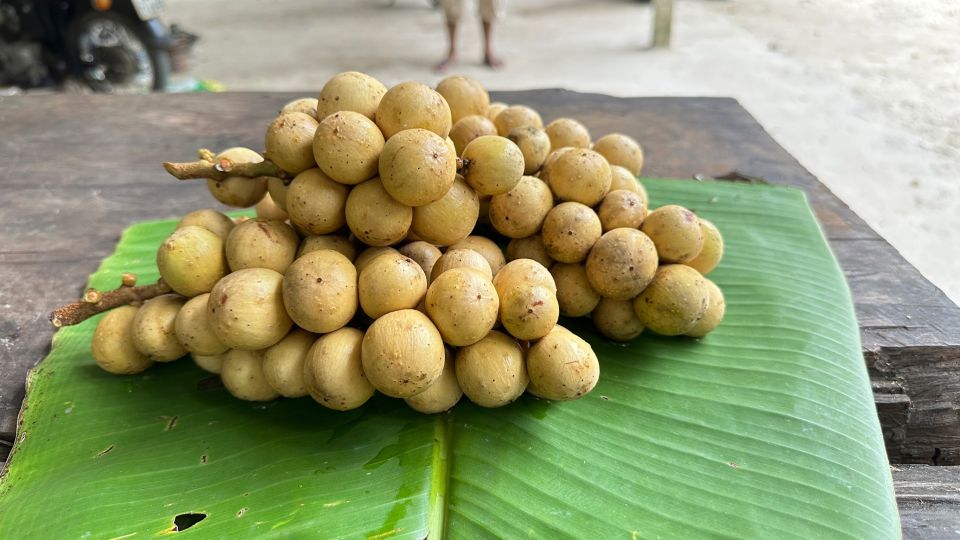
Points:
(78, 169)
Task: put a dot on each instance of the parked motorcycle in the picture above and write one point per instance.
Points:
(109, 45)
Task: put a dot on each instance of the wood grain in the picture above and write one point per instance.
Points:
(78, 169)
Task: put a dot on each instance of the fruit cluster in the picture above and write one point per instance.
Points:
(375, 262)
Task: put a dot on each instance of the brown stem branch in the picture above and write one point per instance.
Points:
(94, 301)
(210, 168)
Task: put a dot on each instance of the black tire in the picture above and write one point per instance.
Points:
(159, 58)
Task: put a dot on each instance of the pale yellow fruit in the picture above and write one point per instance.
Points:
(369, 254)
(277, 189)
(402, 353)
(712, 251)
(320, 291)
(154, 331)
(347, 147)
(461, 258)
(333, 371)
(624, 179)
(113, 346)
(463, 304)
(622, 263)
(516, 116)
(425, 254)
(469, 128)
(581, 176)
(316, 203)
(494, 109)
(238, 191)
(191, 260)
(194, 329)
(567, 132)
(562, 366)
(465, 96)
(617, 320)
(449, 219)
(442, 395)
(289, 142)
(674, 301)
(261, 243)
(712, 317)
(492, 164)
(529, 313)
(247, 310)
(519, 213)
(569, 231)
(391, 282)
(529, 248)
(417, 167)
(486, 247)
(350, 91)
(376, 218)
(492, 372)
(622, 208)
(411, 105)
(574, 292)
(619, 149)
(523, 274)
(305, 105)
(675, 231)
(268, 209)
(340, 244)
(210, 364)
(283, 363)
(533, 144)
(544, 173)
(216, 222)
(242, 376)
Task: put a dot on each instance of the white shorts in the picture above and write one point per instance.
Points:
(490, 10)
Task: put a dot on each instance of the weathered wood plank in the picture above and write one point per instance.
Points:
(929, 501)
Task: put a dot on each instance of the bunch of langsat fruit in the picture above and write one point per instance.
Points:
(374, 262)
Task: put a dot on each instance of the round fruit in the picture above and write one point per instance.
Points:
(486, 247)
(463, 304)
(674, 302)
(567, 132)
(113, 346)
(714, 314)
(562, 366)
(247, 311)
(347, 147)
(425, 254)
(622, 150)
(153, 328)
(529, 313)
(376, 218)
(622, 263)
(277, 189)
(492, 372)
(580, 175)
(469, 128)
(261, 243)
(333, 371)
(350, 91)
(337, 243)
(574, 293)
(712, 251)
(305, 105)
(617, 319)
(238, 191)
(523, 274)
(283, 363)
(316, 203)
(449, 219)
(492, 165)
(268, 209)
(368, 255)
(210, 364)
(320, 291)
(461, 258)
(216, 222)
(194, 330)
(516, 116)
(289, 142)
(391, 282)
(676, 233)
(624, 179)
(402, 353)
(417, 167)
(191, 260)
(622, 208)
(464, 95)
(569, 231)
(529, 248)
(242, 376)
(442, 395)
(411, 105)
(494, 109)
(533, 144)
(520, 212)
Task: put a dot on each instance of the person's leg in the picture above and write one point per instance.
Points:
(491, 11)
(452, 9)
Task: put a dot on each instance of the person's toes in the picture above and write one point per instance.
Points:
(445, 65)
(493, 61)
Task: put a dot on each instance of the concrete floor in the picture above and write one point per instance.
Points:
(865, 93)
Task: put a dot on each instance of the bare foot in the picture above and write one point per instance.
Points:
(446, 64)
(492, 61)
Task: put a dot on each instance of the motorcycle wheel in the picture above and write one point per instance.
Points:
(113, 55)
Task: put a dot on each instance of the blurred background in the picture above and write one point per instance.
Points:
(865, 93)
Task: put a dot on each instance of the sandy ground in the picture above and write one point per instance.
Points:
(865, 93)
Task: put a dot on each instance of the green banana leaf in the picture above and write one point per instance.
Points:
(765, 428)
